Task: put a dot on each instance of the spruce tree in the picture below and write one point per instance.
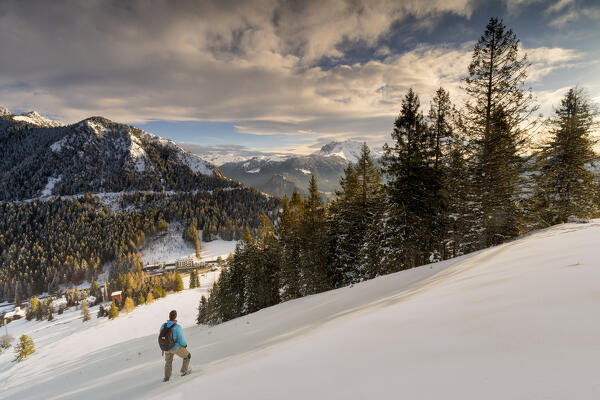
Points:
(565, 184)
(497, 110)
(289, 226)
(24, 348)
(346, 227)
(202, 317)
(411, 203)
(313, 260)
(356, 207)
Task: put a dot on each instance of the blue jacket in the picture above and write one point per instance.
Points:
(177, 334)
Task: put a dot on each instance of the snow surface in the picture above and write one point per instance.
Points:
(96, 128)
(304, 171)
(194, 162)
(253, 171)
(169, 246)
(52, 181)
(137, 153)
(517, 321)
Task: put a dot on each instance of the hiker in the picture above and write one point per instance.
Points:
(172, 344)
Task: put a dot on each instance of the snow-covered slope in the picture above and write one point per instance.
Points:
(517, 321)
(169, 246)
(349, 150)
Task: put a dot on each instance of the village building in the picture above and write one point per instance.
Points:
(116, 296)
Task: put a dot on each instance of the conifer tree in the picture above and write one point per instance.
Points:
(202, 317)
(411, 204)
(113, 311)
(24, 348)
(497, 109)
(128, 306)
(48, 309)
(193, 274)
(85, 312)
(356, 207)
(34, 304)
(178, 282)
(197, 244)
(565, 184)
(346, 228)
(149, 298)
(289, 226)
(313, 260)
(262, 256)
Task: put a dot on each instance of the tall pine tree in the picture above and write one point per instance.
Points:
(498, 107)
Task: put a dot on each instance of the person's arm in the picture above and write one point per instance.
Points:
(182, 341)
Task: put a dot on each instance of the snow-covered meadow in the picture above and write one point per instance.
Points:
(517, 321)
(169, 246)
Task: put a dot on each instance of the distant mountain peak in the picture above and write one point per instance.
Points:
(31, 117)
(349, 150)
(4, 112)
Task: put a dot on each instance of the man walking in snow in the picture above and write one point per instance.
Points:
(179, 347)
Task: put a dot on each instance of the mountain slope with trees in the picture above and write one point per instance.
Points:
(94, 155)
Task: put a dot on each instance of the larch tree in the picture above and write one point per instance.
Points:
(24, 348)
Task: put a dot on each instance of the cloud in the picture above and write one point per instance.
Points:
(256, 63)
(564, 12)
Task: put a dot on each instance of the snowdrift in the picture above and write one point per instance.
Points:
(517, 321)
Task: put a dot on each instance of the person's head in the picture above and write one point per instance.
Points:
(173, 315)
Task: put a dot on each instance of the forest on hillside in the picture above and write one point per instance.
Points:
(454, 180)
(46, 243)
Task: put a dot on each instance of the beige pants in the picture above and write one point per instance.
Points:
(181, 352)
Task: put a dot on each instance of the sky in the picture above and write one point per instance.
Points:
(274, 75)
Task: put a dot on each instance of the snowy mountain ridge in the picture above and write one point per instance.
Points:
(32, 118)
(349, 150)
(94, 155)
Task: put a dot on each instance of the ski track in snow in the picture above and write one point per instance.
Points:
(517, 321)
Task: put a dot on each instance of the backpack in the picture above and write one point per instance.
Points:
(165, 338)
